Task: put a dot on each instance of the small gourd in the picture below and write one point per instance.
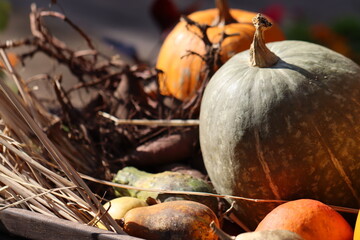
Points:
(283, 125)
(118, 207)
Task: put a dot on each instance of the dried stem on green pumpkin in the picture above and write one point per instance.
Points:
(260, 55)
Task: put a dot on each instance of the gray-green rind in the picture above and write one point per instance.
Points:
(286, 132)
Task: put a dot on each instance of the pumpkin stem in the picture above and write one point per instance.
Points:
(260, 55)
(220, 233)
(224, 13)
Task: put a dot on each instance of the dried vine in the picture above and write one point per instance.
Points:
(212, 60)
(122, 90)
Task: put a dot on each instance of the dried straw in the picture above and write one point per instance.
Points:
(34, 174)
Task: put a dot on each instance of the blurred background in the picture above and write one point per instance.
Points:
(135, 29)
(132, 23)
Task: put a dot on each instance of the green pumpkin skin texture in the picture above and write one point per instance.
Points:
(286, 132)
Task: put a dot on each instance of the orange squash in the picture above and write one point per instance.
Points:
(311, 219)
(183, 73)
(357, 228)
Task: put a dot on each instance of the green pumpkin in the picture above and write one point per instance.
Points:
(285, 125)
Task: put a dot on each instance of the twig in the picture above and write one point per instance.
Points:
(35, 196)
(220, 233)
(189, 53)
(211, 58)
(14, 75)
(157, 122)
(181, 192)
(257, 200)
(202, 27)
(68, 21)
(16, 43)
(94, 83)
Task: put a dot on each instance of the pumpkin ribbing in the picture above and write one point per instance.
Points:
(286, 131)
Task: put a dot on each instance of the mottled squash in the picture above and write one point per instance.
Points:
(166, 180)
(285, 125)
(183, 73)
(171, 221)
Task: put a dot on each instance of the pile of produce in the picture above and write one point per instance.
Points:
(236, 133)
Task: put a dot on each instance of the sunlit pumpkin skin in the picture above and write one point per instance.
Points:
(269, 235)
(183, 73)
(118, 207)
(277, 234)
(311, 219)
(287, 131)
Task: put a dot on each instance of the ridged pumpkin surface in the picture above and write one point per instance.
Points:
(183, 72)
(284, 132)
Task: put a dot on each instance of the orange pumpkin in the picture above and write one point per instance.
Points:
(357, 228)
(183, 73)
(311, 219)
(13, 59)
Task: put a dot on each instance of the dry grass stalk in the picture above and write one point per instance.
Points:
(164, 191)
(41, 198)
(37, 167)
(21, 177)
(147, 122)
